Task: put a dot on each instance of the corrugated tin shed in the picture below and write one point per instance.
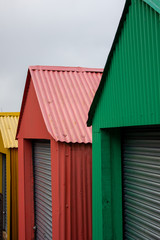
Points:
(125, 119)
(52, 126)
(64, 99)
(9, 172)
(8, 128)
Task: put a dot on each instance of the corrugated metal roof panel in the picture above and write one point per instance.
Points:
(65, 95)
(8, 128)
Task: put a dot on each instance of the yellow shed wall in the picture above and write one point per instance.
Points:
(8, 178)
(0, 172)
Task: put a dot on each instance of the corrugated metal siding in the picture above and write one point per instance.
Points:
(81, 196)
(65, 95)
(75, 191)
(14, 193)
(8, 128)
(131, 92)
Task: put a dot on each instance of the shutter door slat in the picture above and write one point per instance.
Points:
(42, 189)
(141, 183)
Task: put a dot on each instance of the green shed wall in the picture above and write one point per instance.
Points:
(131, 93)
(107, 221)
(130, 97)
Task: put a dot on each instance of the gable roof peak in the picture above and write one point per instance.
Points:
(64, 95)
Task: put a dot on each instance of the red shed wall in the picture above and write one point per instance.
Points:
(25, 190)
(71, 179)
(32, 127)
(14, 193)
(32, 122)
(72, 191)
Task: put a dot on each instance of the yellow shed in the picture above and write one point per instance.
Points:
(9, 173)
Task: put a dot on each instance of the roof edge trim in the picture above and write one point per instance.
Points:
(5, 114)
(61, 69)
(155, 4)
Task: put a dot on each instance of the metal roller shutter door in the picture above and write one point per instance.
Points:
(141, 184)
(42, 190)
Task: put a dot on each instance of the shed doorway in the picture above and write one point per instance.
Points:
(4, 192)
(42, 189)
(141, 183)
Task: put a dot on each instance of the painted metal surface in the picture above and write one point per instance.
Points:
(129, 91)
(25, 190)
(32, 127)
(64, 95)
(8, 128)
(72, 191)
(107, 185)
(155, 4)
(8, 178)
(128, 95)
(42, 189)
(4, 192)
(71, 163)
(14, 193)
(141, 181)
(8, 147)
(71, 171)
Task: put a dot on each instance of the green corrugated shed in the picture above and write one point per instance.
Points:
(128, 96)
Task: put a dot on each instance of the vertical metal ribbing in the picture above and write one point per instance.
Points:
(141, 183)
(42, 190)
(4, 191)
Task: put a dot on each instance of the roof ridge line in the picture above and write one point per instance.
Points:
(63, 68)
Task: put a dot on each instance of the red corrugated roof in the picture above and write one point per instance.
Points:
(64, 95)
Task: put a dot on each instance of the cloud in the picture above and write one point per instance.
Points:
(49, 32)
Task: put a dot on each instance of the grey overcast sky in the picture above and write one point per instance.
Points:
(52, 32)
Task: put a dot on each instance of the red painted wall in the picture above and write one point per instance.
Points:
(32, 123)
(32, 126)
(21, 189)
(25, 190)
(14, 193)
(29, 190)
(72, 191)
(71, 179)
